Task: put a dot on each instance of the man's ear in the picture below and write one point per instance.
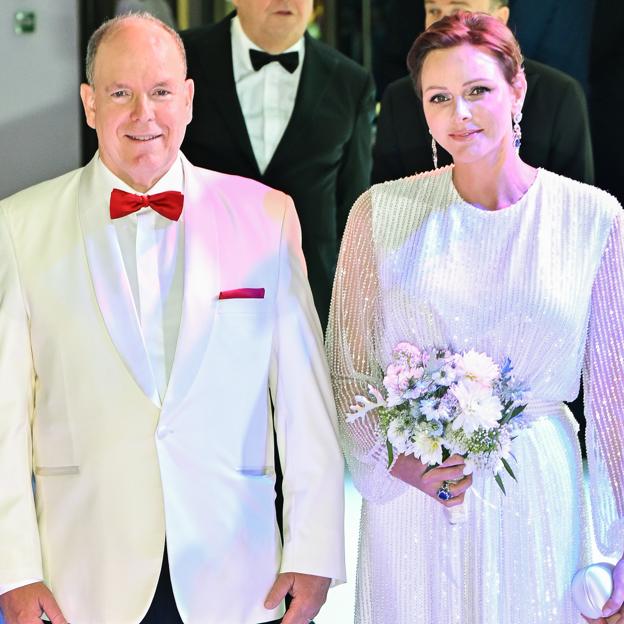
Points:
(189, 87)
(87, 95)
(502, 14)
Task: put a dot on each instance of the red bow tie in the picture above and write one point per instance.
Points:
(168, 204)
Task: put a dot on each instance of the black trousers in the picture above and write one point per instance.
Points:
(163, 609)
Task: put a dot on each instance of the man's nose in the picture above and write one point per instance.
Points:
(142, 109)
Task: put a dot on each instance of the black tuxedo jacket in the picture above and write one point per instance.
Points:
(555, 32)
(324, 157)
(606, 100)
(555, 128)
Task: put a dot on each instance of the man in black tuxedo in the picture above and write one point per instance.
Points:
(555, 32)
(555, 125)
(606, 100)
(298, 119)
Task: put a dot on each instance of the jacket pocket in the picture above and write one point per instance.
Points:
(225, 307)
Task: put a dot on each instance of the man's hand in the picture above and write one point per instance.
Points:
(613, 611)
(308, 593)
(26, 604)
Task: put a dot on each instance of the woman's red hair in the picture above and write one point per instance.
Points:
(463, 27)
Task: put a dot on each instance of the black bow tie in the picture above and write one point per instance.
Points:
(288, 60)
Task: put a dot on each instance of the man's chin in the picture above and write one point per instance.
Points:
(143, 176)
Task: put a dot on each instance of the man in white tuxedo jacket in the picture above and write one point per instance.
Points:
(141, 350)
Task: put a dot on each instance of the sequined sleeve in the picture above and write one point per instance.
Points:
(604, 395)
(352, 337)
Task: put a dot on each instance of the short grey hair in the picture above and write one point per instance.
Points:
(109, 27)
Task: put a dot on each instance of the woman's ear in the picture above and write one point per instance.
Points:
(519, 89)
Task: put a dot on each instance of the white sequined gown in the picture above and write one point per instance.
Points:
(541, 281)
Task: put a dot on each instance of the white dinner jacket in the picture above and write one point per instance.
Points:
(115, 470)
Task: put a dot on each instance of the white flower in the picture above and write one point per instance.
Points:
(445, 375)
(427, 449)
(477, 367)
(435, 428)
(434, 409)
(478, 407)
(428, 409)
(483, 462)
(456, 441)
(398, 435)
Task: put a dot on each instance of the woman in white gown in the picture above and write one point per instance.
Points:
(493, 255)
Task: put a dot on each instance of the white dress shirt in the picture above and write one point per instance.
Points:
(152, 248)
(267, 96)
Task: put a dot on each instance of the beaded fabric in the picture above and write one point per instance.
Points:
(541, 281)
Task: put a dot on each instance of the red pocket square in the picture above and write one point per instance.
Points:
(242, 293)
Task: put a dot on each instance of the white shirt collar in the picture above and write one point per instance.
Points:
(241, 44)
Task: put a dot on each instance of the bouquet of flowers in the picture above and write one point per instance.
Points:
(439, 403)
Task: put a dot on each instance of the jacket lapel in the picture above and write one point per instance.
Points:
(219, 78)
(201, 283)
(316, 75)
(110, 281)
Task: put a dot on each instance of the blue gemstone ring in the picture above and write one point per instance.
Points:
(443, 492)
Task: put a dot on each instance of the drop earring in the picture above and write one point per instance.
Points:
(517, 132)
(434, 151)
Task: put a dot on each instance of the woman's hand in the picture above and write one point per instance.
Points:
(415, 473)
(613, 611)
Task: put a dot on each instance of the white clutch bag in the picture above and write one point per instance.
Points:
(592, 587)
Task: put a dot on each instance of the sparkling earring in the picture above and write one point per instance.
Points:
(434, 151)
(517, 132)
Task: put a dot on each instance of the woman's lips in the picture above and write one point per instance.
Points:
(465, 135)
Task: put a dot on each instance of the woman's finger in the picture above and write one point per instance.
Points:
(455, 500)
(453, 460)
(459, 487)
(450, 473)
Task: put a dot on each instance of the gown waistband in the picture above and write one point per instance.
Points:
(537, 410)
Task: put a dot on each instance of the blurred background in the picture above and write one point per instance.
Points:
(42, 45)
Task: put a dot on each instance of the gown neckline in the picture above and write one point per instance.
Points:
(512, 208)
